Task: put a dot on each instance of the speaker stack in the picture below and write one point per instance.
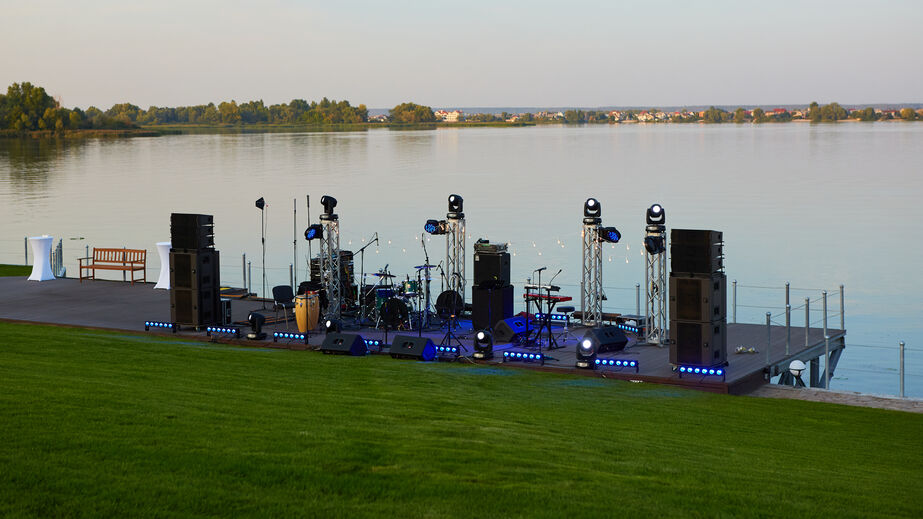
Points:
(492, 293)
(194, 280)
(698, 298)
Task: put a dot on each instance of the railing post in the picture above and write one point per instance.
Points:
(826, 361)
(825, 313)
(787, 286)
(637, 298)
(734, 302)
(901, 344)
(291, 275)
(788, 328)
(25, 247)
(243, 269)
(807, 321)
(842, 310)
(768, 336)
(249, 277)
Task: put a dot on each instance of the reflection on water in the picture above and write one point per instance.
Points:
(816, 205)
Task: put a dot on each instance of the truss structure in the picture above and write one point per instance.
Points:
(330, 265)
(591, 287)
(655, 290)
(455, 252)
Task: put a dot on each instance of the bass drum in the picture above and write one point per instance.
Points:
(395, 314)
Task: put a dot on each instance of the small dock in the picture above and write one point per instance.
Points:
(123, 307)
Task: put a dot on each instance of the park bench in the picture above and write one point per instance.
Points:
(126, 260)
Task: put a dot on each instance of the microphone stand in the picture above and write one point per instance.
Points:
(361, 290)
(424, 315)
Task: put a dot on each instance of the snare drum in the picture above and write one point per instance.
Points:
(410, 288)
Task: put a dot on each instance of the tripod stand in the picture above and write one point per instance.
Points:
(361, 290)
(450, 313)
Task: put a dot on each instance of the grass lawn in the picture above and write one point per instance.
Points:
(15, 270)
(103, 424)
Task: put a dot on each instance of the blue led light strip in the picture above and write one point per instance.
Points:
(160, 324)
(290, 336)
(618, 363)
(629, 328)
(704, 372)
(554, 317)
(372, 342)
(523, 356)
(223, 330)
(447, 350)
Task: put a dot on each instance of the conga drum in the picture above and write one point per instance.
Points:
(313, 313)
(301, 312)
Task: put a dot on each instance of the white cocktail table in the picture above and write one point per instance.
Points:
(41, 258)
(163, 248)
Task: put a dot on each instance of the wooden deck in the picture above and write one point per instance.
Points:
(121, 306)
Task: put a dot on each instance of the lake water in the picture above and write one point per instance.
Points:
(815, 205)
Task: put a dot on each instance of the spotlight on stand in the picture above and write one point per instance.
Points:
(313, 232)
(456, 204)
(435, 226)
(586, 354)
(483, 345)
(592, 209)
(609, 234)
(654, 244)
(656, 215)
(256, 325)
(260, 204)
(329, 204)
(332, 325)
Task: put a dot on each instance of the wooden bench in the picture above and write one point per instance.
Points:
(126, 260)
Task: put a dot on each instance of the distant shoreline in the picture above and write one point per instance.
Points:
(163, 130)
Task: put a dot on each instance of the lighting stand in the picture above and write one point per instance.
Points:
(655, 289)
(591, 288)
(263, 242)
(330, 264)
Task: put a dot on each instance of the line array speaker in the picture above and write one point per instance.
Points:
(192, 231)
(698, 297)
(698, 343)
(698, 251)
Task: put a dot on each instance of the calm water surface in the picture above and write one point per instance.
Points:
(816, 205)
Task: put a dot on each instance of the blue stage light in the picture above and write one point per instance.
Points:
(222, 330)
(314, 231)
(290, 336)
(523, 356)
(173, 327)
(705, 372)
(618, 363)
(609, 234)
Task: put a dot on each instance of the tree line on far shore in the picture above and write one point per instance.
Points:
(27, 107)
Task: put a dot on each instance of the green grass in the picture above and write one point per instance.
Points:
(15, 270)
(102, 424)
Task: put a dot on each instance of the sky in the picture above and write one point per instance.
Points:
(473, 53)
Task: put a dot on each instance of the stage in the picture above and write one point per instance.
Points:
(120, 306)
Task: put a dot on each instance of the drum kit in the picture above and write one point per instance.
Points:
(399, 305)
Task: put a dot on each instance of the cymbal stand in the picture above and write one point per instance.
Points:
(361, 315)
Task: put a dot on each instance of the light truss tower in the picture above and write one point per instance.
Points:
(591, 287)
(655, 276)
(330, 264)
(455, 252)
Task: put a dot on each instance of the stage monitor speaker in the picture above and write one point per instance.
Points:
(698, 343)
(344, 344)
(608, 338)
(696, 251)
(410, 347)
(509, 330)
(493, 268)
(698, 297)
(490, 305)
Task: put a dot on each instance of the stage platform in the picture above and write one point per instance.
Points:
(121, 306)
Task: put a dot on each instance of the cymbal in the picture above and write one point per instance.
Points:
(383, 275)
(421, 267)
